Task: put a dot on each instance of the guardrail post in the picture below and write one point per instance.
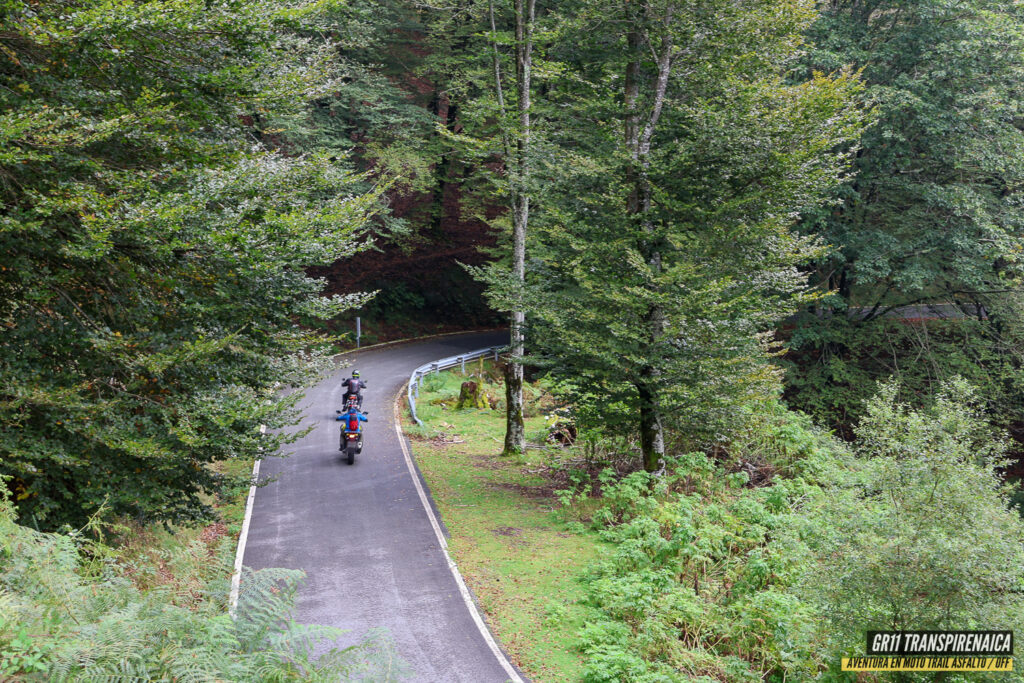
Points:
(495, 354)
(434, 367)
(462, 362)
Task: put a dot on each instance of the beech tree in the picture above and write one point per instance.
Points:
(488, 64)
(516, 140)
(666, 254)
(153, 245)
(932, 214)
(515, 133)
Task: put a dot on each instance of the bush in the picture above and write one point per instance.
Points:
(921, 537)
(695, 584)
(708, 576)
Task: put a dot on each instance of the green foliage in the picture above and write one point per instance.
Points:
(696, 586)
(698, 582)
(22, 654)
(72, 610)
(776, 440)
(660, 304)
(380, 116)
(710, 577)
(927, 540)
(154, 245)
(932, 213)
(934, 209)
(835, 364)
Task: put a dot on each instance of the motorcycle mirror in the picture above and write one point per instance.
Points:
(338, 412)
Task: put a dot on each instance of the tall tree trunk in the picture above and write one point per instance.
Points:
(515, 430)
(652, 434)
(519, 172)
(638, 142)
(442, 169)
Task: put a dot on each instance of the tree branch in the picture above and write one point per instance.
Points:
(664, 69)
(498, 88)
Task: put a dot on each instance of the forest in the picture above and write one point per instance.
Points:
(765, 258)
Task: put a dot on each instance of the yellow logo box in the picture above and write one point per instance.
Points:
(927, 663)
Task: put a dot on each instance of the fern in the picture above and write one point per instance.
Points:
(69, 610)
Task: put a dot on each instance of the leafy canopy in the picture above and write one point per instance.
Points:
(661, 268)
(933, 213)
(153, 244)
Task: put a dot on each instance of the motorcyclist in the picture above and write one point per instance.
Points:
(352, 418)
(354, 387)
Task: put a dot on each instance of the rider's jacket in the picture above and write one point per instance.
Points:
(352, 419)
(353, 385)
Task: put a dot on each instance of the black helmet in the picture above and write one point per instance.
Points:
(355, 373)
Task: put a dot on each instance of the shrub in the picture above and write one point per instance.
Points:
(708, 575)
(695, 583)
(921, 537)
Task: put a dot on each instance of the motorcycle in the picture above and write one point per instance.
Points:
(351, 439)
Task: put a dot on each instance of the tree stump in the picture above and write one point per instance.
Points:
(471, 395)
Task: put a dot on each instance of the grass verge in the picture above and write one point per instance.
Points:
(514, 547)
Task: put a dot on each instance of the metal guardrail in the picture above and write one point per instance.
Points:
(413, 391)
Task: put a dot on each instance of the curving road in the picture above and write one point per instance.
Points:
(362, 534)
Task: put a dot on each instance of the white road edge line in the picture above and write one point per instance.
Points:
(236, 577)
(463, 589)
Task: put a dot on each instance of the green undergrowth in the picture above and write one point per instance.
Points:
(764, 559)
(769, 561)
(73, 608)
(696, 586)
(126, 601)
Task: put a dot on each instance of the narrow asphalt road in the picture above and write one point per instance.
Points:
(361, 532)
